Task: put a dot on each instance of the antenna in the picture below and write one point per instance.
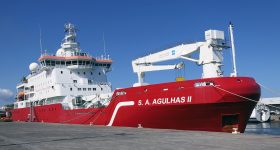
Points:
(41, 47)
(234, 74)
(104, 45)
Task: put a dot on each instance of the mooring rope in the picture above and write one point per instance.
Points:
(269, 89)
(249, 99)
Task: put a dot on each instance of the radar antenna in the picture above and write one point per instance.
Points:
(69, 42)
(104, 45)
(41, 47)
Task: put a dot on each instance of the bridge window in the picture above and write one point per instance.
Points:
(52, 63)
(80, 62)
(68, 63)
(74, 62)
(48, 63)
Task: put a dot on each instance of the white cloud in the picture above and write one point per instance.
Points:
(6, 94)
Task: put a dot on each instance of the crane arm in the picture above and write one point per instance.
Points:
(168, 54)
(210, 56)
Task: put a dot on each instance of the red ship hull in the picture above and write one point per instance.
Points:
(176, 105)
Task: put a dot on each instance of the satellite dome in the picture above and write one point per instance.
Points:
(33, 67)
(60, 52)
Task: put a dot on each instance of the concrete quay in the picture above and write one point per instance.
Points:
(46, 136)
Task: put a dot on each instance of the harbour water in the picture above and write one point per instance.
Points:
(267, 128)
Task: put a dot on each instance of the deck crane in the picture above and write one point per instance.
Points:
(210, 57)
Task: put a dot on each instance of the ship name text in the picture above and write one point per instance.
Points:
(163, 101)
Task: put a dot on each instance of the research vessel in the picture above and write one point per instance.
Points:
(72, 87)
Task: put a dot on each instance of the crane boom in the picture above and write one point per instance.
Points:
(210, 57)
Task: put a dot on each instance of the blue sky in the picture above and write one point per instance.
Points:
(135, 28)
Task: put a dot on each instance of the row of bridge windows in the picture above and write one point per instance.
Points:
(73, 62)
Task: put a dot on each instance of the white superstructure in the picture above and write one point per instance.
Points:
(70, 77)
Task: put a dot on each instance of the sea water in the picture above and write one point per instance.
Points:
(267, 128)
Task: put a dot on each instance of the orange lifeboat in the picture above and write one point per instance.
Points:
(20, 96)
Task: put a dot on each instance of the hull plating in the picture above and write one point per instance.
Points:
(176, 105)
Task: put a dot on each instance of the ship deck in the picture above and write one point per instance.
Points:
(43, 136)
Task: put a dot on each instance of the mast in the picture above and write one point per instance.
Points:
(234, 74)
(69, 42)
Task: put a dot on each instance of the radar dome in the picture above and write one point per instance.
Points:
(33, 67)
(60, 52)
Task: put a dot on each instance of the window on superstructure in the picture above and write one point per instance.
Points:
(79, 89)
(89, 81)
(99, 73)
(84, 73)
(91, 73)
(74, 62)
(75, 81)
(94, 89)
(84, 89)
(48, 63)
(101, 89)
(57, 62)
(68, 63)
(87, 62)
(89, 89)
(80, 62)
(61, 72)
(52, 63)
(78, 72)
(62, 62)
(70, 89)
